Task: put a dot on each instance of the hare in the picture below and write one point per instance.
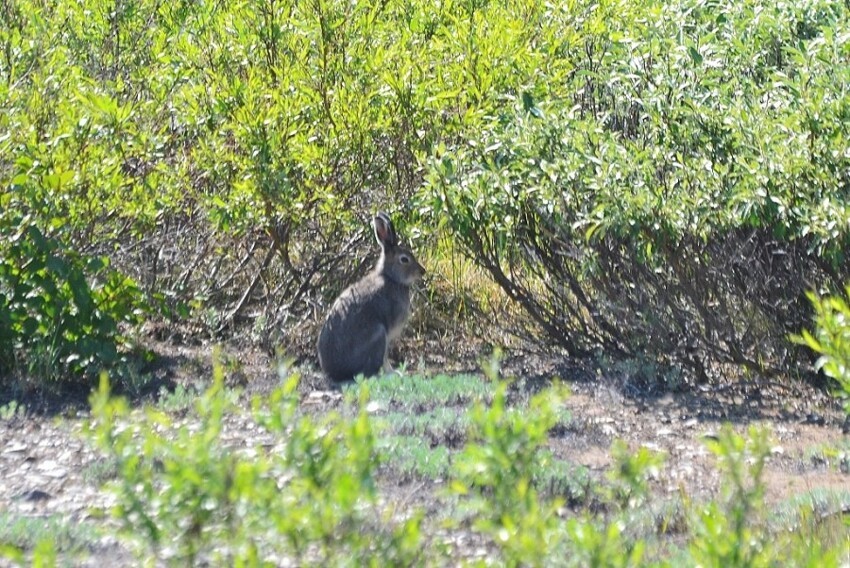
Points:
(371, 313)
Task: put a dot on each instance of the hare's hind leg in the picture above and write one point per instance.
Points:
(386, 366)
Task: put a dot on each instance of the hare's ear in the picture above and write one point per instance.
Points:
(384, 231)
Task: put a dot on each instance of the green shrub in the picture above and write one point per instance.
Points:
(60, 311)
(651, 179)
(676, 197)
(220, 153)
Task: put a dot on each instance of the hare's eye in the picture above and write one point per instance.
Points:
(404, 259)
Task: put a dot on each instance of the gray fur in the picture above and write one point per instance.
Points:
(371, 313)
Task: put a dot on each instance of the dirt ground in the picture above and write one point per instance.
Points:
(46, 467)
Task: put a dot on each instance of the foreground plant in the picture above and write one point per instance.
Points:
(496, 470)
(185, 495)
(733, 531)
(631, 473)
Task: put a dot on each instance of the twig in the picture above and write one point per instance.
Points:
(250, 290)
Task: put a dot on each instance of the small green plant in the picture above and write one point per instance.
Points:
(43, 537)
(631, 474)
(186, 496)
(175, 487)
(817, 519)
(734, 530)
(100, 471)
(820, 503)
(44, 555)
(602, 546)
(181, 398)
(412, 391)
(497, 468)
(727, 533)
(409, 457)
(11, 410)
(447, 424)
(831, 340)
(563, 479)
(332, 488)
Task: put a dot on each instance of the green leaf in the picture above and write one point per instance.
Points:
(696, 57)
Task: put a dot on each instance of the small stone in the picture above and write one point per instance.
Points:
(52, 469)
(14, 447)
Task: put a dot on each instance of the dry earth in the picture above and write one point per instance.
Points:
(47, 468)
